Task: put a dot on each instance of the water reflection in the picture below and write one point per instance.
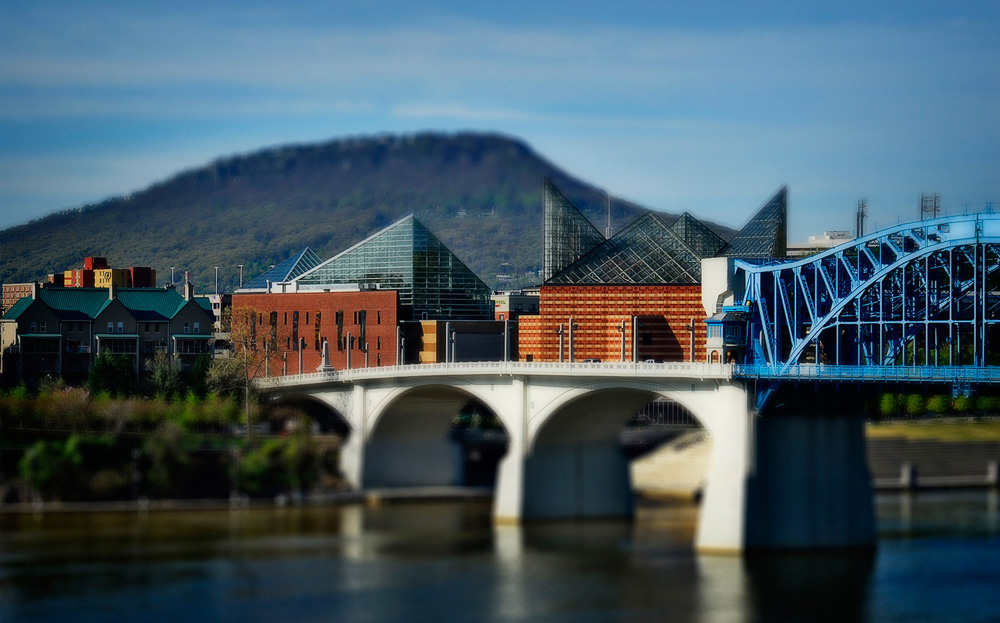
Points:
(447, 562)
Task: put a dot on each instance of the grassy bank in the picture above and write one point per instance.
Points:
(940, 430)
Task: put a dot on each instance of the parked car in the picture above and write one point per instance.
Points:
(592, 360)
(653, 361)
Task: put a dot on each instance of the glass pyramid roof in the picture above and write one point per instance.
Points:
(648, 251)
(765, 236)
(698, 236)
(569, 235)
(285, 271)
(408, 258)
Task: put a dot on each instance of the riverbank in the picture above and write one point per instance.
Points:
(370, 497)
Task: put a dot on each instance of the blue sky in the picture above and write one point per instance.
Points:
(702, 106)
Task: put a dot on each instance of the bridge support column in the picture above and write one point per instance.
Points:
(508, 497)
(811, 487)
(795, 477)
(352, 454)
(726, 416)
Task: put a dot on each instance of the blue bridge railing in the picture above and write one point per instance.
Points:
(902, 374)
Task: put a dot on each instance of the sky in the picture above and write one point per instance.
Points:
(708, 107)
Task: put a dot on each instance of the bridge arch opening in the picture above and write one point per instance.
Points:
(434, 435)
(287, 411)
(580, 463)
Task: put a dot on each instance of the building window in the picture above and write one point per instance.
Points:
(378, 317)
(197, 327)
(316, 330)
(286, 319)
(41, 326)
(33, 326)
(187, 328)
(340, 329)
(378, 342)
(121, 327)
(111, 327)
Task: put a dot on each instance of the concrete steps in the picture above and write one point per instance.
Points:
(896, 462)
(677, 469)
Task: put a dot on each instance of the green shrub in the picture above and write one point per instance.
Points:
(962, 404)
(915, 405)
(50, 467)
(888, 405)
(283, 464)
(938, 404)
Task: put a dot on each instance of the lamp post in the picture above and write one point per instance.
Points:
(690, 328)
(621, 329)
(171, 275)
(560, 331)
(572, 326)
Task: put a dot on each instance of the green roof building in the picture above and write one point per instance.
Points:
(58, 332)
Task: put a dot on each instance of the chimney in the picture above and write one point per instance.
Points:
(36, 289)
(188, 290)
(112, 291)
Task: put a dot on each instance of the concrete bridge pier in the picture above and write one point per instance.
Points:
(508, 498)
(795, 477)
(810, 487)
(352, 453)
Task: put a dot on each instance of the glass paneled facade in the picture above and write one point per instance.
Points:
(648, 251)
(764, 237)
(285, 271)
(569, 235)
(408, 258)
(697, 235)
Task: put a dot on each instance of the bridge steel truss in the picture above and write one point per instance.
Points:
(920, 294)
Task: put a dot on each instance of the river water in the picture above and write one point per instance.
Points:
(938, 559)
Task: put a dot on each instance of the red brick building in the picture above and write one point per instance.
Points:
(294, 324)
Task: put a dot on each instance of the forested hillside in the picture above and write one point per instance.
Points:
(481, 194)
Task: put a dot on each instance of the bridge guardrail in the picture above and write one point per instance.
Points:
(942, 374)
(688, 370)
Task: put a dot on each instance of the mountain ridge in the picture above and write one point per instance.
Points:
(480, 193)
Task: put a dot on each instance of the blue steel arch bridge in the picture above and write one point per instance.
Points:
(914, 302)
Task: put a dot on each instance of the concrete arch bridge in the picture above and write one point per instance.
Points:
(564, 460)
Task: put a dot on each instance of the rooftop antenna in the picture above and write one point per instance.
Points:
(610, 230)
(862, 215)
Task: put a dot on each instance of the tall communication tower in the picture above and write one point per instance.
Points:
(861, 216)
(930, 205)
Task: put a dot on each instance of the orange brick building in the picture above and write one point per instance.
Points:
(660, 328)
(635, 295)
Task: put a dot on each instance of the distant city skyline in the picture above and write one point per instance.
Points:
(677, 106)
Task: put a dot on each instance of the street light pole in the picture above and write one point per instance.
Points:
(572, 326)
